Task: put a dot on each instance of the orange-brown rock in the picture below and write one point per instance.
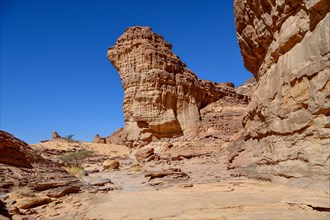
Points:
(55, 135)
(117, 137)
(222, 119)
(285, 44)
(99, 140)
(163, 97)
(13, 151)
(20, 165)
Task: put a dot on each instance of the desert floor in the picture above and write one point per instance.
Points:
(208, 192)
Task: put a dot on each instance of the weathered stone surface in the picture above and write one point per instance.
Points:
(13, 151)
(144, 153)
(61, 191)
(95, 180)
(285, 44)
(20, 165)
(55, 135)
(111, 164)
(247, 88)
(27, 203)
(117, 137)
(49, 185)
(162, 96)
(99, 140)
(221, 119)
(175, 173)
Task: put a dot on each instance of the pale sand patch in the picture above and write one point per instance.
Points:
(103, 149)
(244, 200)
(108, 149)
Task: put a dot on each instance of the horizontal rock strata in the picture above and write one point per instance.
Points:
(162, 97)
(285, 44)
(20, 166)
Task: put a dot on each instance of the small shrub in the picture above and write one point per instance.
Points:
(75, 170)
(136, 168)
(20, 192)
(75, 158)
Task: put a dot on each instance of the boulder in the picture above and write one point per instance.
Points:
(111, 165)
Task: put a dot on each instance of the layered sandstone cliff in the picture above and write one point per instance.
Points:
(285, 44)
(20, 165)
(162, 97)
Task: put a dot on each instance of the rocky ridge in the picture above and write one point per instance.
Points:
(162, 97)
(285, 44)
(20, 166)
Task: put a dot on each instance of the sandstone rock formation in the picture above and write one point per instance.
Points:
(20, 165)
(117, 137)
(99, 140)
(222, 119)
(55, 135)
(163, 97)
(285, 44)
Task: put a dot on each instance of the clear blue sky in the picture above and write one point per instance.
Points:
(55, 75)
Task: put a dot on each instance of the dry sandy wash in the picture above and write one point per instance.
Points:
(197, 187)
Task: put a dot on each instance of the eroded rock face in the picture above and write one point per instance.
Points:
(221, 119)
(55, 135)
(20, 165)
(13, 151)
(162, 96)
(285, 44)
(99, 140)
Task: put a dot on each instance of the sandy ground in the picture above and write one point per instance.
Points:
(236, 199)
(209, 193)
(228, 200)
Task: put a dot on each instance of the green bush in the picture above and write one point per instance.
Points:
(75, 158)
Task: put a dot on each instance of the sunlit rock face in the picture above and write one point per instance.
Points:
(162, 97)
(285, 44)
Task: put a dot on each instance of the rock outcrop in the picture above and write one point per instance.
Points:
(162, 97)
(55, 135)
(20, 165)
(99, 140)
(285, 44)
